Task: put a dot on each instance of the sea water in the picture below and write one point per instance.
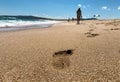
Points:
(13, 24)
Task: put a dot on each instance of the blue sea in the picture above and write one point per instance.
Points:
(8, 23)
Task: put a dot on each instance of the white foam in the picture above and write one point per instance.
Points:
(13, 25)
(9, 23)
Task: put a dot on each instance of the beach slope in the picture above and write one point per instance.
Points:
(65, 52)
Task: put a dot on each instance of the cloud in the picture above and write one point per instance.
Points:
(79, 5)
(105, 8)
(83, 6)
(119, 8)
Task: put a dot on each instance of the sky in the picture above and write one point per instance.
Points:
(107, 9)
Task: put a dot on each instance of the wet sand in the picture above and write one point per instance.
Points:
(66, 52)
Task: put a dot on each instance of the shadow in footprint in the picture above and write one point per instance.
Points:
(89, 34)
(92, 35)
(61, 59)
(64, 52)
(115, 29)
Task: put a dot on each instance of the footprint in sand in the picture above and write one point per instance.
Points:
(115, 29)
(92, 35)
(61, 59)
(89, 34)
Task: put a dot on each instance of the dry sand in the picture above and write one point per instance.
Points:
(66, 52)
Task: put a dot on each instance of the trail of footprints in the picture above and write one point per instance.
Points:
(89, 34)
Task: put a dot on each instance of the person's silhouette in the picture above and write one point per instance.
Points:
(79, 15)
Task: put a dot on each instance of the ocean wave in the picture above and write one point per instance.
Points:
(9, 23)
(13, 25)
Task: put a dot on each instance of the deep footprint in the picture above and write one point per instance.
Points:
(92, 35)
(61, 59)
(89, 34)
(61, 62)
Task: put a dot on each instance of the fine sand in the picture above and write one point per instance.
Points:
(65, 52)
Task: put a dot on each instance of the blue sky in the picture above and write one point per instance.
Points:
(61, 8)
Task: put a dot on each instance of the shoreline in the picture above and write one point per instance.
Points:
(39, 26)
(25, 27)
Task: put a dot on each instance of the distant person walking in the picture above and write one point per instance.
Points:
(79, 15)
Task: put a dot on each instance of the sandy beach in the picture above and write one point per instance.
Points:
(65, 52)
